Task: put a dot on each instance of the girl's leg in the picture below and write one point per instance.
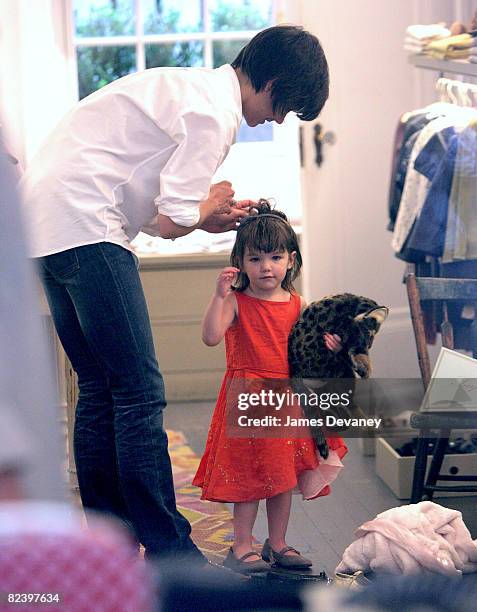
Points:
(245, 514)
(278, 515)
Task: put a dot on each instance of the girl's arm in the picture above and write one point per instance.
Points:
(222, 308)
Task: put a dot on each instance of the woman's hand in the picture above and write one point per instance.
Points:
(225, 281)
(333, 342)
(227, 217)
(221, 196)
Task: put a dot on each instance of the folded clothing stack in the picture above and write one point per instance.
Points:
(473, 54)
(419, 36)
(453, 47)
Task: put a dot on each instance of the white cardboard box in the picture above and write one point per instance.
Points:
(397, 472)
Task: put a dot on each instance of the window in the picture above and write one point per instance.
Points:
(113, 38)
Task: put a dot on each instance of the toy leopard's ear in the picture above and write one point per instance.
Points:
(379, 314)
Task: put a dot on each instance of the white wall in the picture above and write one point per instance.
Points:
(36, 73)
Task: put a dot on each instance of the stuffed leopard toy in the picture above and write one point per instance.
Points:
(356, 320)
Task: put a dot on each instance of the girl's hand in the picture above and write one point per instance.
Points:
(225, 281)
(332, 342)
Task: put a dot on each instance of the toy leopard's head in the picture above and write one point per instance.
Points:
(354, 318)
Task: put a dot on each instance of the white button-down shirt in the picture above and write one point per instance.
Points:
(149, 142)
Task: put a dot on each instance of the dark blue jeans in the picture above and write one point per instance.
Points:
(123, 465)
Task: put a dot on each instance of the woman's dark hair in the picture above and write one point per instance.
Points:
(265, 230)
(294, 61)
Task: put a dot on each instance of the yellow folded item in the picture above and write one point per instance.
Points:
(458, 54)
(453, 47)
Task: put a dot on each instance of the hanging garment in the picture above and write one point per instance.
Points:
(416, 184)
(436, 163)
(411, 129)
(414, 121)
(424, 537)
(461, 231)
(397, 146)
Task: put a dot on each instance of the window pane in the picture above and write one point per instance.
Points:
(259, 133)
(189, 53)
(170, 16)
(230, 15)
(225, 51)
(104, 17)
(98, 66)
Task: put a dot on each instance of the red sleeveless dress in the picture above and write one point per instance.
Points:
(249, 469)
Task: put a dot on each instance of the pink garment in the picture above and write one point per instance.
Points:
(45, 549)
(417, 538)
(313, 483)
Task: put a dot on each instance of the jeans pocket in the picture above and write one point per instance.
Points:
(136, 260)
(62, 265)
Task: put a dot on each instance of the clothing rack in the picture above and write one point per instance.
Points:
(460, 91)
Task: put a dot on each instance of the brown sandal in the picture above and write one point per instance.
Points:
(281, 559)
(243, 566)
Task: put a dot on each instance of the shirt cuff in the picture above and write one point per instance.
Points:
(185, 213)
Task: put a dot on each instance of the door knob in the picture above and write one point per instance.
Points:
(320, 138)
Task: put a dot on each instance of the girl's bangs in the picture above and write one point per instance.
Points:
(267, 238)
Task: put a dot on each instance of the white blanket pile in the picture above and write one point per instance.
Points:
(424, 537)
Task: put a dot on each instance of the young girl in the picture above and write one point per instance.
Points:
(256, 319)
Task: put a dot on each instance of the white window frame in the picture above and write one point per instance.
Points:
(139, 40)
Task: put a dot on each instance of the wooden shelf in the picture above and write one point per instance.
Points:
(445, 66)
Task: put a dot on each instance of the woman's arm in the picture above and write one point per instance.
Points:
(220, 196)
(222, 309)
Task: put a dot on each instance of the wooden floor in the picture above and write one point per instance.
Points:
(322, 528)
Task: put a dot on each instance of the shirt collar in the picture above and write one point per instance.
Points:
(227, 69)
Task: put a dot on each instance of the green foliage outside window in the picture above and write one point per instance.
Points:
(98, 66)
(162, 22)
(231, 18)
(225, 51)
(106, 21)
(187, 53)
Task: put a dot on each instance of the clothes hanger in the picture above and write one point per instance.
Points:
(441, 90)
(450, 94)
(463, 94)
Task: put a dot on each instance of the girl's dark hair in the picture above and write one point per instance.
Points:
(295, 62)
(265, 230)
